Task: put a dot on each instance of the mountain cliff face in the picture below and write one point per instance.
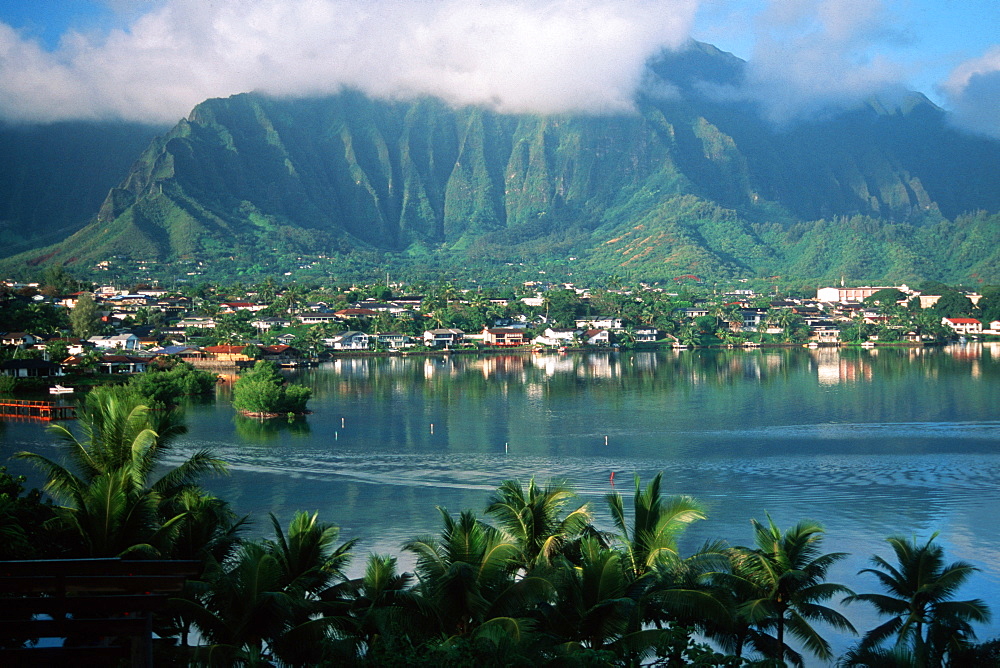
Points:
(683, 184)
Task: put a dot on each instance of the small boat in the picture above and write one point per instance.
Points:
(59, 389)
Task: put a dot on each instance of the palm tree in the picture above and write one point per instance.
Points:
(657, 523)
(787, 574)
(265, 597)
(534, 517)
(467, 576)
(109, 485)
(925, 621)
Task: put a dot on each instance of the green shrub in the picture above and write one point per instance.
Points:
(263, 390)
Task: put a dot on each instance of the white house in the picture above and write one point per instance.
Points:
(349, 340)
(121, 341)
(963, 325)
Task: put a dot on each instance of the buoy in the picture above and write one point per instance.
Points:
(505, 448)
(612, 477)
(336, 435)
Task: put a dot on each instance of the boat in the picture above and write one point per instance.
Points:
(59, 389)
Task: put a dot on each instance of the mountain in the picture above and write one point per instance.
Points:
(54, 177)
(693, 182)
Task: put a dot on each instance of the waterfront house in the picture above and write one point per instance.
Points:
(597, 337)
(393, 340)
(227, 353)
(443, 338)
(350, 340)
(964, 326)
(646, 334)
(280, 354)
(504, 337)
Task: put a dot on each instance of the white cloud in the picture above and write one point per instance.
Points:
(973, 89)
(515, 55)
(814, 55)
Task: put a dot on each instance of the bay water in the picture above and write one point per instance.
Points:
(869, 442)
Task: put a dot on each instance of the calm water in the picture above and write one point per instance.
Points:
(868, 442)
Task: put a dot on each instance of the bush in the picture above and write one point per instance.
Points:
(166, 386)
(263, 391)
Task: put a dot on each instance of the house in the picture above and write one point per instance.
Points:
(443, 338)
(963, 325)
(280, 353)
(19, 339)
(349, 340)
(827, 333)
(121, 341)
(597, 337)
(232, 307)
(30, 368)
(393, 340)
(123, 363)
(317, 318)
(646, 334)
(353, 313)
(183, 352)
(197, 323)
(227, 353)
(504, 337)
(267, 324)
(600, 322)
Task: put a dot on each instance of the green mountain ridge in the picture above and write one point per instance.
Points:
(687, 184)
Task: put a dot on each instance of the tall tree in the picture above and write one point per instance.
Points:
(84, 318)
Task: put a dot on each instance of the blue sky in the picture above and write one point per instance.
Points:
(155, 59)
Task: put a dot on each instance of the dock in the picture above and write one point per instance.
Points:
(36, 410)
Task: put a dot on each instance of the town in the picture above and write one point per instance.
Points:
(58, 326)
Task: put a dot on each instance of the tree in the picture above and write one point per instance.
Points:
(954, 304)
(885, 297)
(787, 573)
(84, 318)
(923, 619)
(263, 391)
(657, 523)
(265, 596)
(112, 500)
(534, 517)
(467, 576)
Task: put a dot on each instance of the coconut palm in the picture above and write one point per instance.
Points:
(467, 576)
(265, 597)
(541, 520)
(657, 523)
(786, 577)
(924, 621)
(110, 496)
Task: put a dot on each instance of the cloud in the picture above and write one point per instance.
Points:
(812, 56)
(973, 89)
(514, 55)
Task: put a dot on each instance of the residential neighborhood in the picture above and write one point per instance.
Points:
(290, 326)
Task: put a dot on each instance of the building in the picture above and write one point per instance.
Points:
(443, 338)
(504, 337)
(964, 326)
